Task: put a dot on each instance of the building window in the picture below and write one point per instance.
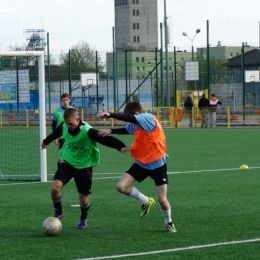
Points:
(149, 63)
(143, 68)
(137, 12)
(231, 55)
(134, 38)
(137, 26)
(182, 59)
(137, 59)
(137, 2)
(143, 60)
(137, 68)
(133, 26)
(138, 39)
(120, 2)
(133, 1)
(133, 12)
(170, 68)
(170, 59)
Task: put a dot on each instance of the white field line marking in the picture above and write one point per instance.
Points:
(215, 170)
(20, 183)
(174, 249)
(119, 174)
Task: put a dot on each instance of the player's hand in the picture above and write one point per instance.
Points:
(104, 132)
(125, 149)
(56, 142)
(103, 115)
(43, 146)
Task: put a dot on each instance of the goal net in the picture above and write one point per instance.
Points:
(22, 116)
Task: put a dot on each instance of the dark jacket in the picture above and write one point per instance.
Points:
(188, 104)
(204, 103)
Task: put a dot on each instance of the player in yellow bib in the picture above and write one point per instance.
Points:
(57, 119)
(79, 155)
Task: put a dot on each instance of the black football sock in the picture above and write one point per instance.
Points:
(57, 206)
(84, 211)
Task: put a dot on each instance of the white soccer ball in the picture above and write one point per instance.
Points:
(51, 226)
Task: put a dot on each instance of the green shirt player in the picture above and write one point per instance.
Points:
(57, 119)
(79, 155)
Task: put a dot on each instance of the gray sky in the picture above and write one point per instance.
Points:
(68, 21)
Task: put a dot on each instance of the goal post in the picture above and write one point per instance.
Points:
(42, 112)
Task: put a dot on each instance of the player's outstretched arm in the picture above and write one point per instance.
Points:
(104, 132)
(119, 116)
(53, 136)
(125, 149)
(103, 115)
(119, 131)
(43, 145)
(108, 141)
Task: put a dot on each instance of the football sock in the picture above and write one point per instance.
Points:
(138, 195)
(84, 211)
(57, 205)
(167, 215)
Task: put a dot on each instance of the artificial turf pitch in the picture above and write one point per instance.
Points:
(215, 205)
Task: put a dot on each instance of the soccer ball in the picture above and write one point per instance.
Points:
(51, 226)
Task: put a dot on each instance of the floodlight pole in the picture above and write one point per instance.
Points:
(166, 55)
(192, 49)
(49, 71)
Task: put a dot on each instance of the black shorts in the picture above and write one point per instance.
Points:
(61, 142)
(139, 173)
(82, 177)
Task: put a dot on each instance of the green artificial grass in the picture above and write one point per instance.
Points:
(214, 205)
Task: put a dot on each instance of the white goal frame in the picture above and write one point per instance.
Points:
(40, 55)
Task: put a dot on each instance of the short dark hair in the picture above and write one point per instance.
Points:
(70, 112)
(132, 107)
(65, 95)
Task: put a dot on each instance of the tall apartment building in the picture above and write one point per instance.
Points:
(136, 25)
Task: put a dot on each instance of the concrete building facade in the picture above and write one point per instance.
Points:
(223, 52)
(140, 64)
(136, 25)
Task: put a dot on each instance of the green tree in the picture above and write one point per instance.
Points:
(83, 59)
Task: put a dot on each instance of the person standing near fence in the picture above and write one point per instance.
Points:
(149, 152)
(212, 110)
(188, 104)
(204, 105)
(57, 119)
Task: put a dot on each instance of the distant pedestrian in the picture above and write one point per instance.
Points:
(212, 110)
(204, 105)
(188, 104)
